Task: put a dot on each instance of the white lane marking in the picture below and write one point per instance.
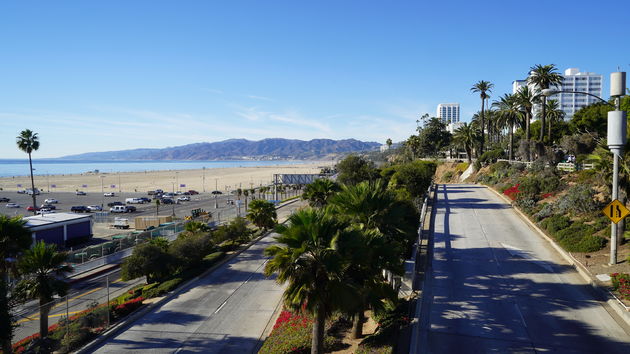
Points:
(518, 310)
(220, 307)
(517, 252)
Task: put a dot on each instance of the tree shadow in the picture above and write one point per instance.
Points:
(497, 299)
(195, 343)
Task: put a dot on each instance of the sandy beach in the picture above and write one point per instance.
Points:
(223, 179)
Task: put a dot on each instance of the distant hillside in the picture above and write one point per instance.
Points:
(238, 149)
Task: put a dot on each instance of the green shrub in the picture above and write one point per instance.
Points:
(555, 223)
(75, 339)
(491, 156)
(462, 166)
(579, 238)
(169, 285)
(447, 176)
(546, 211)
(579, 199)
(229, 245)
(590, 243)
(212, 258)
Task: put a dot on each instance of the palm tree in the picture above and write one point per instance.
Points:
(554, 114)
(389, 143)
(509, 114)
(526, 99)
(543, 77)
(309, 258)
(14, 239)
(262, 214)
(483, 87)
(28, 142)
(370, 207)
(466, 136)
(319, 192)
(42, 266)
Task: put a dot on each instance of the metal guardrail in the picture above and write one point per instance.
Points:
(562, 166)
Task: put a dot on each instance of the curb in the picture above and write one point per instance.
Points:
(615, 304)
(88, 348)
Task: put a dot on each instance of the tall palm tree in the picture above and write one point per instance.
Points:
(369, 206)
(42, 267)
(527, 97)
(467, 137)
(484, 88)
(319, 192)
(263, 214)
(309, 258)
(389, 143)
(543, 77)
(14, 239)
(554, 114)
(28, 142)
(509, 113)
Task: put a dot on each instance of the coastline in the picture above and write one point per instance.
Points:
(209, 179)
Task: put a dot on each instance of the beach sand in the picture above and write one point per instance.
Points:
(225, 179)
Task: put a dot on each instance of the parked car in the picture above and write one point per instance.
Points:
(130, 208)
(193, 192)
(145, 199)
(94, 208)
(12, 205)
(159, 191)
(4, 200)
(216, 192)
(167, 201)
(135, 201)
(21, 191)
(30, 191)
(81, 193)
(48, 206)
(151, 193)
(118, 209)
(51, 201)
(109, 194)
(184, 198)
(114, 204)
(43, 211)
(79, 209)
(31, 208)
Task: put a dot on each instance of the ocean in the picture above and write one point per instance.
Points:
(43, 167)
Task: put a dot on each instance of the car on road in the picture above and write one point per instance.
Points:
(51, 201)
(31, 208)
(12, 205)
(30, 191)
(167, 201)
(193, 192)
(79, 209)
(94, 208)
(114, 204)
(4, 200)
(184, 198)
(122, 209)
(48, 206)
(130, 208)
(109, 194)
(80, 193)
(145, 199)
(43, 211)
(216, 192)
(21, 191)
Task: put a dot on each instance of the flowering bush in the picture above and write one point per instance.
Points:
(512, 191)
(128, 307)
(291, 334)
(621, 283)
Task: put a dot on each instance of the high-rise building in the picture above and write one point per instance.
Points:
(448, 112)
(572, 80)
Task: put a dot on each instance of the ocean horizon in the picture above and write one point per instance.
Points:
(43, 167)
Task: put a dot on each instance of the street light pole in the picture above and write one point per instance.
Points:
(102, 192)
(216, 189)
(616, 139)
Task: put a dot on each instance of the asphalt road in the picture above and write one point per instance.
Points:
(80, 296)
(496, 286)
(225, 311)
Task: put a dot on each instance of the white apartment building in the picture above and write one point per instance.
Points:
(448, 112)
(573, 80)
(451, 128)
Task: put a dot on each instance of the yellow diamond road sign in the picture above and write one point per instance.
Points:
(615, 211)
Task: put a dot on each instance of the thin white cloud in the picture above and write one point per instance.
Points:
(261, 98)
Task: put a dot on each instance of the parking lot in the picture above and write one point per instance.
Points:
(225, 208)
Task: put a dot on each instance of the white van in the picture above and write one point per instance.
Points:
(134, 201)
(118, 209)
(30, 191)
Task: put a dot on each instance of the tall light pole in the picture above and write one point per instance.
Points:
(616, 139)
(203, 179)
(102, 192)
(177, 180)
(216, 189)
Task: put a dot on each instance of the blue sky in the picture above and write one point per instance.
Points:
(111, 75)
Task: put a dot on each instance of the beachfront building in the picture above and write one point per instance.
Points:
(573, 80)
(62, 229)
(448, 112)
(451, 128)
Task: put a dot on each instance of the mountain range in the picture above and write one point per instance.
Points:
(239, 149)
